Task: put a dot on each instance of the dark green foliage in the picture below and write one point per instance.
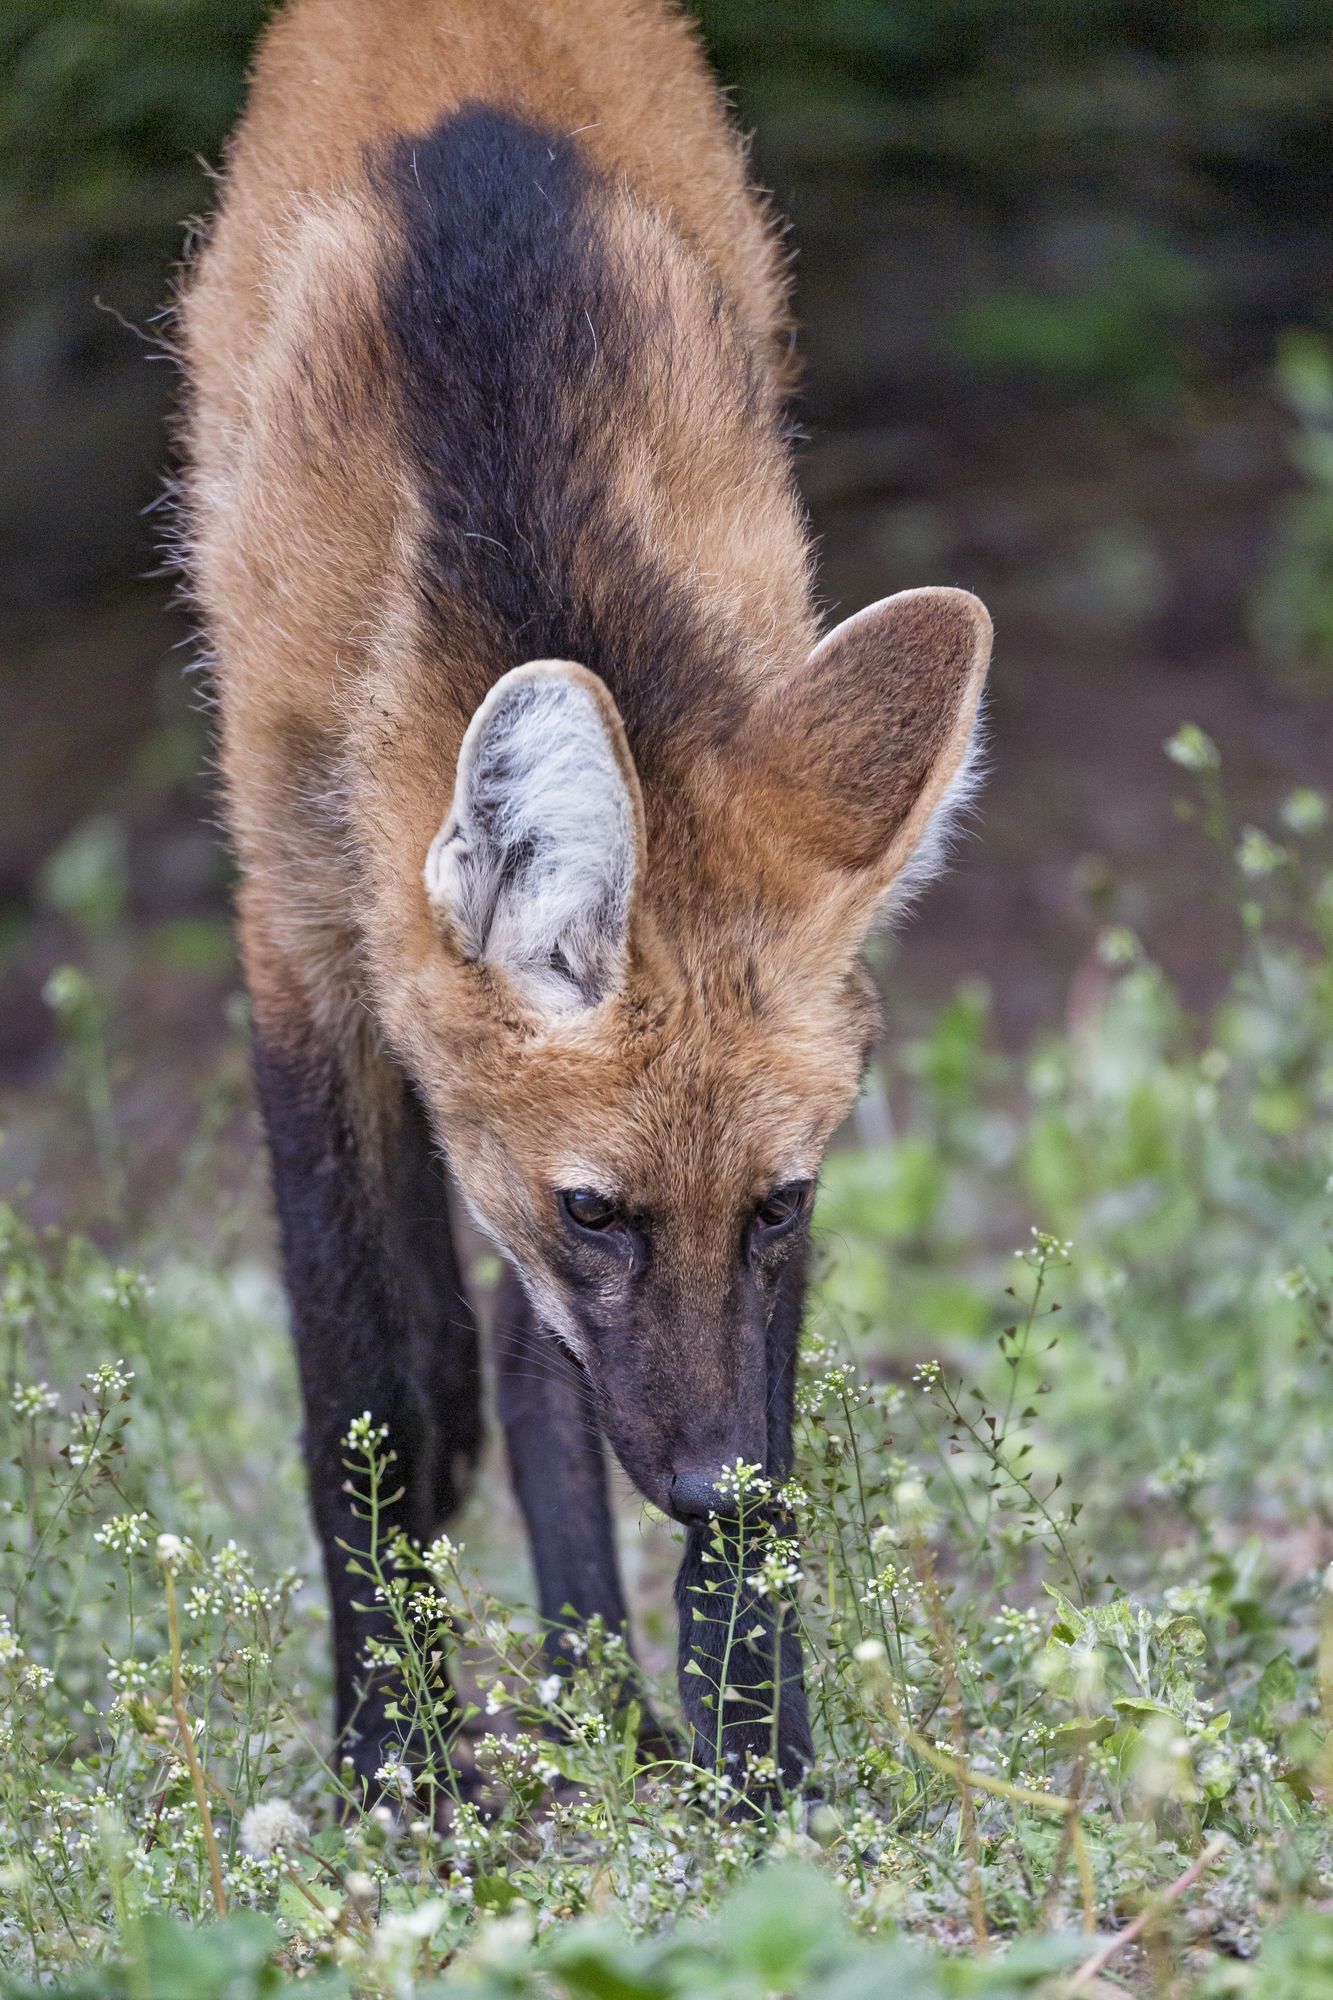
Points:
(855, 60)
(1121, 332)
(104, 99)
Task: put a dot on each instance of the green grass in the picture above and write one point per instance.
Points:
(1063, 1494)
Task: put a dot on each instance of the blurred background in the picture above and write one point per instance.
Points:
(1065, 285)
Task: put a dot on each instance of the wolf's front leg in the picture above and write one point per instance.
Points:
(347, 1164)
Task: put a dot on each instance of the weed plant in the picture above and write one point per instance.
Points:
(1057, 1543)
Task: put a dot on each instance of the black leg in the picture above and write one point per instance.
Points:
(559, 1469)
(442, 1328)
(741, 1677)
(358, 1217)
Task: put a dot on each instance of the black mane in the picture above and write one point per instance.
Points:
(520, 353)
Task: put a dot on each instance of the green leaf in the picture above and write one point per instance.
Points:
(601, 1964)
(297, 1910)
(779, 1923)
(231, 1960)
(1187, 1636)
(1276, 1689)
(495, 1892)
(1073, 1736)
(631, 1724)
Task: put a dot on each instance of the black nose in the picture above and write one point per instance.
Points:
(696, 1495)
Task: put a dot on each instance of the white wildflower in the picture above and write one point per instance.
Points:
(272, 1825)
(1304, 811)
(408, 1927)
(396, 1777)
(112, 1378)
(1118, 947)
(1257, 855)
(126, 1534)
(1193, 749)
(1045, 1249)
(777, 1574)
(130, 1676)
(364, 1436)
(128, 1289)
(499, 1938)
(741, 1481)
(33, 1399)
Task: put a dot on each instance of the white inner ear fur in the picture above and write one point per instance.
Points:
(535, 865)
(945, 821)
(920, 847)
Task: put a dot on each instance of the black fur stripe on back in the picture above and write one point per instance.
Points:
(520, 353)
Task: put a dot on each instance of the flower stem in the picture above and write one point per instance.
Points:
(197, 1778)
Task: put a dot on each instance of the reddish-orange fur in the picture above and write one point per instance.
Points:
(732, 1046)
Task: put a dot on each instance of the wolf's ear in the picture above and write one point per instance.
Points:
(879, 736)
(535, 866)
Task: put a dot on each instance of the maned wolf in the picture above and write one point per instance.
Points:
(560, 827)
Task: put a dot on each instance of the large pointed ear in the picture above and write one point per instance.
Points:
(534, 868)
(880, 735)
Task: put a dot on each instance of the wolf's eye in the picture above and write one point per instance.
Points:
(783, 1206)
(587, 1208)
